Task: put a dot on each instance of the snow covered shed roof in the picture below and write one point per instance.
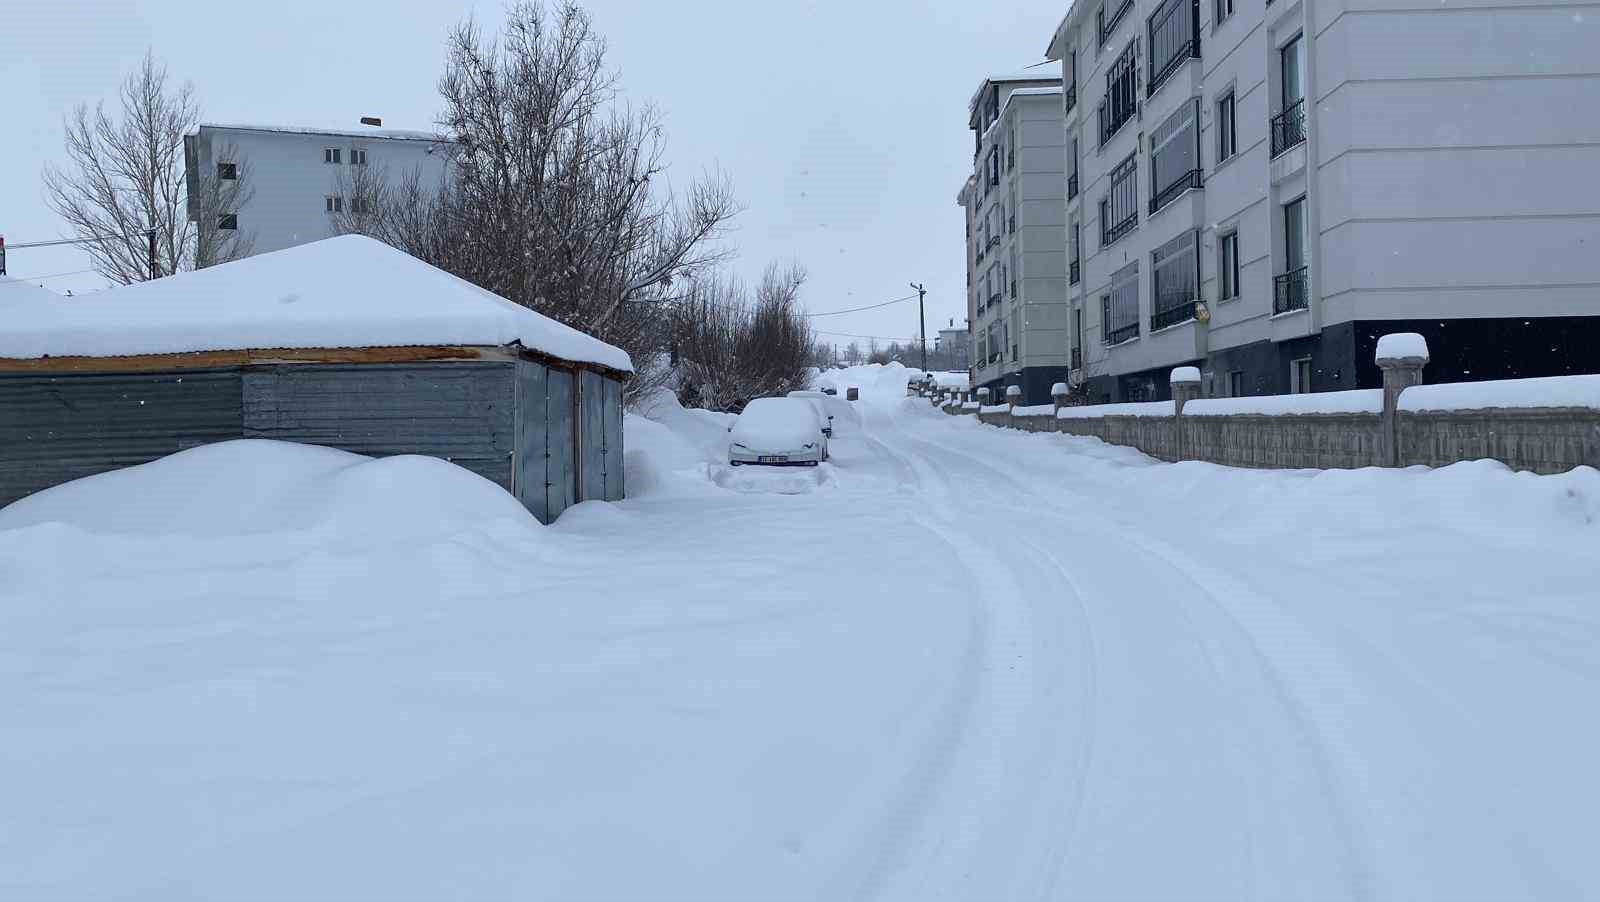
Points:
(15, 292)
(344, 292)
(343, 131)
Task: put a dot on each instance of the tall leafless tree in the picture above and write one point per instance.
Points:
(124, 177)
(556, 196)
(734, 347)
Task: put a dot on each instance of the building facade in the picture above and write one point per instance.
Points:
(300, 180)
(1016, 260)
(954, 347)
(1263, 188)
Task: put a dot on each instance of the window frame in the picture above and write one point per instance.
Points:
(227, 222)
(1221, 11)
(1228, 265)
(358, 156)
(227, 172)
(333, 203)
(1298, 386)
(333, 156)
(1123, 173)
(1227, 126)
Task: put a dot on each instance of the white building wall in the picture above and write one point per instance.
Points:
(289, 180)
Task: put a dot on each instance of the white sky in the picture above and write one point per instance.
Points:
(841, 122)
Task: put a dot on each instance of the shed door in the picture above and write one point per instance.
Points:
(530, 473)
(561, 474)
(592, 436)
(613, 439)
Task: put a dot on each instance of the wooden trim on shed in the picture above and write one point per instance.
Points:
(153, 363)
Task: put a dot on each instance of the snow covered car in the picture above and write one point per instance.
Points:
(782, 432)
(839, 417)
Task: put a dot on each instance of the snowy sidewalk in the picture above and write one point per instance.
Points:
(973, 664)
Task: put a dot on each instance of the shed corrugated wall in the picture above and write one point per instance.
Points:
(461, 411)
(54, 429)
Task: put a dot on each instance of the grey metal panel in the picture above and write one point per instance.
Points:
(54, 429)
(533, 450)
(561, 434)
(591, 436)
(613, 436)
(460, 411)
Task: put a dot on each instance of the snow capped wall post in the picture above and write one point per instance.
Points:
(1013, 399)
(1185, 382)
(1401, 356)
(1058, 394)
(983, 396)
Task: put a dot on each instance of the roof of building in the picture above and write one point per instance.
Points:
(18, 291)
(344, 292)
(341, 131)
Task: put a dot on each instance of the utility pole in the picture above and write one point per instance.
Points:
(922, 317)
(155, 265)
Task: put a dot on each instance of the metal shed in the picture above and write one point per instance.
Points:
(311, 345)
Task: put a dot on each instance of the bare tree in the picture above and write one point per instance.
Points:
(734, 346)
(125, 177)
(556, 196)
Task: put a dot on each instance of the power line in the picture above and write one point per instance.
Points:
(23, 280)
(873, 337)
(89, 240)
(909, 297)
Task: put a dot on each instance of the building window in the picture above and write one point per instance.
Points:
(1077, 338)
(1015, 333)
(228, 172)
(1222, 10)
(1300, 375)
(1109, 17)
(1121, 102)
(333, 203)
(1289, 290)
(1228, 266)
(1175, 155)
(1175, 281)
(1119, 209)
(1075, 268)
(358, 156)
(359, 205)
(228, 222)
(331, 154)
(1227, 128)
(1174, 37)
(1119, 306)
(1289, 126)
(1236, 384)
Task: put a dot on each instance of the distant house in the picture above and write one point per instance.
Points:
(345, 342)
(300, 176)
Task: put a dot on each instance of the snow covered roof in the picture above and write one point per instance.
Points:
(344, 292)
(343, 131)
(16, 291)
(1042, 73)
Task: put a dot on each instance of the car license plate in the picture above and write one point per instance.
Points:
(772, 459)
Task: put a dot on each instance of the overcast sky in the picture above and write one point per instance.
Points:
(841, 122)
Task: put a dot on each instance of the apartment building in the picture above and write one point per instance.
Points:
(301, 177)
(1016, 260)
(1264, 187)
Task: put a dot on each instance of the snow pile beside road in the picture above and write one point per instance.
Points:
(877, 381)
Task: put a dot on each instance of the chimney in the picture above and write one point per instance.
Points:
(372, 120)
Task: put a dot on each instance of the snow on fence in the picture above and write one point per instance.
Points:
(1547, 425)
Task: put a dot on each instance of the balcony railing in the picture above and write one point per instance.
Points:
(1013, 287)
(1077, 358)
(1109, 22)
(1074, 272)
(1289, 291)
(1289, 128)
(1072, 186)
(1179, 312)
(1122, 333)
(1191, 179)
(1110, 233)
(1174, 38)
(994, 298)
(1071, 98)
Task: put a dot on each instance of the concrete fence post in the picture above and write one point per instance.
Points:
(1185, 388)
(1058, 395)
(983, 397)
(1013, 399)
(1401, 356)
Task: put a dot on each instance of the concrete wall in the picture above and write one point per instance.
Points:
(1543, 440)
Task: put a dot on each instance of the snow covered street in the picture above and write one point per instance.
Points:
(959, 663)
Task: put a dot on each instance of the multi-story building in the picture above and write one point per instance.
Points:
(301, 178)
(1263, 188)
(953, 347)
(1016, 260)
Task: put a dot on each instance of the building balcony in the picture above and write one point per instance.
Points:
(1074, 272)
(1109, 234)
(1110, 20)
(1289, 291)
(1180, 311)
(994, 299)
(1289, 128)
(1194, 178)
(1121, 334)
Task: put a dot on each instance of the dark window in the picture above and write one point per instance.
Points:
(333, 203)
(1227, 128)
(1121, 102)
(1289, 57)
(358, 156)
(1289, 126)
(1119, 306)
(1223, 9)
(1175, 155)
(1175, 281)
(330, 154)
(1236, 384)
(1174, 37)
(228, 171)
(358, 205)
(1110, 17)
(228, 222)
(1300, 376)
(1119, 209)
(1294, 233)
(1228, 266)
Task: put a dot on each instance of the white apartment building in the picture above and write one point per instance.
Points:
(1016, 259)
(300, 177)
(1263, 187)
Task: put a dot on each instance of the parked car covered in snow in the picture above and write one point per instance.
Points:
(839, 417)
(784, 432)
